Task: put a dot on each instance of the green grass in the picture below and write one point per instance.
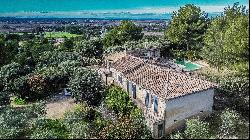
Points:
(18, 101)
(60, 35)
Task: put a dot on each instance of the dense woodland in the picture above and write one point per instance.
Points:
(33, 69)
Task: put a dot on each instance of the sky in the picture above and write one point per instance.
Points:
(81, 7)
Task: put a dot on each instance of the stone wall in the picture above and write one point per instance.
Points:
(152, 117)
(187, 106)
(171, 113)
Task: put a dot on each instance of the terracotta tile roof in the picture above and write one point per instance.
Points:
(162, 81)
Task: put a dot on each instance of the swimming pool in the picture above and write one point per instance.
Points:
(188, 66)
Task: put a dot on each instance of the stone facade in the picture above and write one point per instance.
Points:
(165, 114)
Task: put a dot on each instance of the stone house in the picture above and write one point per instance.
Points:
(166, 97)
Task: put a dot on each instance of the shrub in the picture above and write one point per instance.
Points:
(8, 73)
(77, 115)
(197, 129)
(48, 129)
(69, 67)
(92, 48)
(19, 101)
(232, 125)
(4, 99)
(86, 85)
(79, 130)
(14, 122)
(53, 58)
(125, 128)
(177, 135)
(54, 78)
(118, 100)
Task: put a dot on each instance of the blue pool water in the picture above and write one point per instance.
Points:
(116, 8)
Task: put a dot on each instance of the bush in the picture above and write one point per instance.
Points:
(197, 129)
(54, 78)
(44, 134)
(92, 48)
(19, 101)
(15, 122)
(177, 135)
(48, 129)
(125, 128)
(232, 125)
(8, 73)
(4, 99)
(69, 67)
(77, 115)
(86, 85)
(118, 100)
(79, 130)
(53, 58)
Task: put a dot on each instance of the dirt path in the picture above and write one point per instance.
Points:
(58, 105)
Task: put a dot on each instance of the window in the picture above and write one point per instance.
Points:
(155, 104)
(120, 79)
(134, 91)
(128, 86)
(147, 99)
(160, 130)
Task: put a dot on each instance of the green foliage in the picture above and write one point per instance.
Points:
(53, 58)
(19, 101)
(67, 45)
(79, 130)
(78, 122)
(69, 67)
(125, 128)
(8, 73)
(54, 78)
(90, 48)
(86, 85)
(232, 125)
(48, 129)
(177, 135)
(197, 129)
(4, 99)
(14, 122)
(8, 50)
(187, 29)
(119, 101)
(227, 38)
(127, 31)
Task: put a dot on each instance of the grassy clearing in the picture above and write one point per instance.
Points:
(60, 35)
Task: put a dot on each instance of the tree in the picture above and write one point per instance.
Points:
(125, 128)
(118, 100)
(86, 85)
(8, 73)
(4, 99)
(91, 48)
(232, 125)
(8, 50)
(127, 31)
(187, 28)
(48, 129)
(68, 44)
(15, 122)
(227, 39)
(197, 129)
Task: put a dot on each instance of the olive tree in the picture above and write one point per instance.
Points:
(87, 85)
(197, 129)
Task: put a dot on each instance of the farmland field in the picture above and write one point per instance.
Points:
(60, 35)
